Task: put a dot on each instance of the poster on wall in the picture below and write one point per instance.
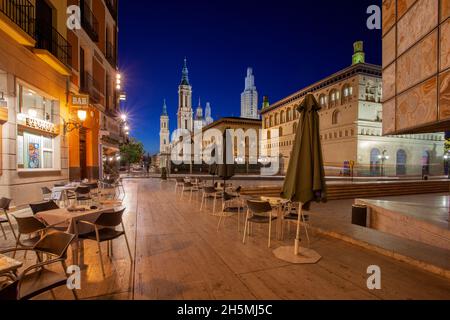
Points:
(33, 155)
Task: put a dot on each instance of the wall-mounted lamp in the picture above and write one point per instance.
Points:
(72, 125)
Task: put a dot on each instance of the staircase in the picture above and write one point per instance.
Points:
(340, 191)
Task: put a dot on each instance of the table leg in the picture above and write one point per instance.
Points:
(280, 223)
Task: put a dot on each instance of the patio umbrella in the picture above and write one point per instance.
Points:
(225, 170)
(305, 178)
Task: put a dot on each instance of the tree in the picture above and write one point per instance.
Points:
(132, 152)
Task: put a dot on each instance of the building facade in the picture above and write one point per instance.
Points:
(416, 66)
(95, 76)
(249, 98)
(351, 120)
(41, 107)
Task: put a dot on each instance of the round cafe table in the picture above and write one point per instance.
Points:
(277, 204)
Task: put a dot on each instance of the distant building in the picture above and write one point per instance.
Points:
(249, 98)
(351, 127)
(164, 133)
(208, 117)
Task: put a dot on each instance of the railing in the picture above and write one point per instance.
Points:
(112, 7)
(89, 21)
(111, 54)
(21, 12)
(90, 86)
(50, 39)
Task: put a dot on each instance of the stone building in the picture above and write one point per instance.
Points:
(351, 127)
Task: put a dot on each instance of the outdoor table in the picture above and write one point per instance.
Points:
(61, 193)
(65, 218)
(277, 203)
(9, 267)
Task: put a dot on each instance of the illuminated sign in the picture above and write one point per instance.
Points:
(40, 125)
(80, 100)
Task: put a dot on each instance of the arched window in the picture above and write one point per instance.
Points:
(269, 136)
(266, 123)
(347, 93)
(375, 162)
(289, 114)
(334, 98)
(271, 121)
(323, 100)
(277, 119)
(336, 117)
(283, 117)
(294, 128)
(280, 132)
(401, 162)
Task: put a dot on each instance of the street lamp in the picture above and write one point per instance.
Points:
(383, 157)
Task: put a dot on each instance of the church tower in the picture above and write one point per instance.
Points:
(185, 113)
(249, 98)
(199, 122)
(208, 117)
(164, 132)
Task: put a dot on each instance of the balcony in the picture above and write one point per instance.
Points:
(112, 7)
(53, 48)
(89, 21)
(111, 54)
(90, 86)
(17, 20)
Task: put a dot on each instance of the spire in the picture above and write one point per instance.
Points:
(185, 76)
(266, 102)
(164, 113)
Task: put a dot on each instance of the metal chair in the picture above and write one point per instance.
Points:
(43, 206)
(4, 207)
(179, 183)
(189, 187)
(259, 212)
(30, 227)
(38, 279)
(209, 193)
(105, 231)
(46, 194)
(228, 210)
(83, 194)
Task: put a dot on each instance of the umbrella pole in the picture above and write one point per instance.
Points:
(297, 238)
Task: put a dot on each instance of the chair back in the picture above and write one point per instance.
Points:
(46, 190)
(228, 197)
(209, 190)
(259, 207)
(238, 190)
(5, 203)
(10, 292)
(188, 184)
(110, 219)
(43, 206)
(28, 225)
(83, 190)
(55, 244)
(92, 185)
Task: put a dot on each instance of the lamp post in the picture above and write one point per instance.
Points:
(383, 157)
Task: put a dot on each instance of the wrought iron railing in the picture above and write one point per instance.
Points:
(50, 39)
(21, 12)
(90, 86)
(88, 21)
(111, 54)
(112, 7)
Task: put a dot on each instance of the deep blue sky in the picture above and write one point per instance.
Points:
(289, 44)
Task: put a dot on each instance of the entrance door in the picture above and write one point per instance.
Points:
(44, 22)
(83, 169)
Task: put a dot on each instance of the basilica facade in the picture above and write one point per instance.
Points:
(186, 118)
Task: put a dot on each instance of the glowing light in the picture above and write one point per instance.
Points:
(123, 116)
(82, 115)
(32, 113)
(127, 128)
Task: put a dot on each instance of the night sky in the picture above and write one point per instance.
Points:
(289, 44)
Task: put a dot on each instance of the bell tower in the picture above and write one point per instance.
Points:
(185, 112)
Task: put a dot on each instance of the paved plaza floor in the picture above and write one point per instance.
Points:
(178, 254)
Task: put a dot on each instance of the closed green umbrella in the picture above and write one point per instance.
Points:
(226, 170)
(305, 178)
